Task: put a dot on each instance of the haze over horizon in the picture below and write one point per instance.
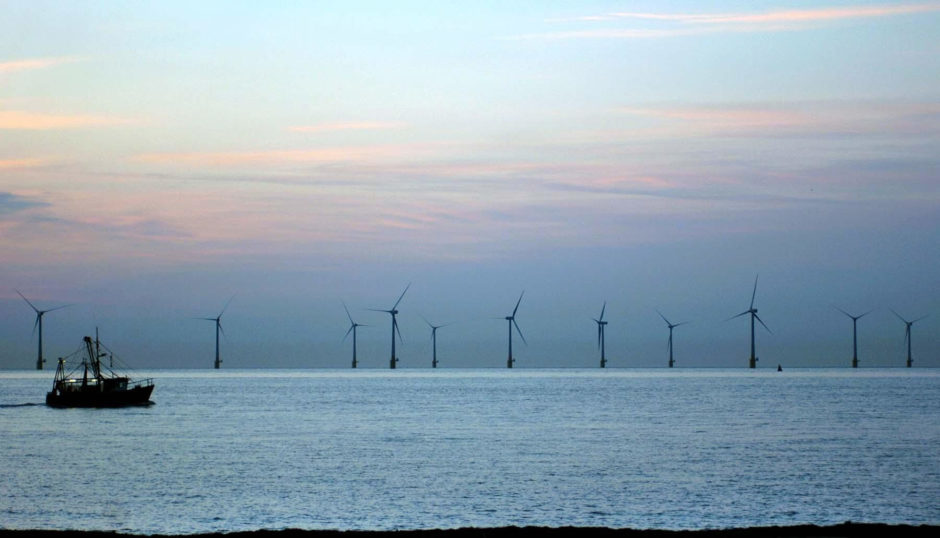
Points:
(158, 159)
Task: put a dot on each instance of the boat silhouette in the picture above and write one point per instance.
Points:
(92, 385)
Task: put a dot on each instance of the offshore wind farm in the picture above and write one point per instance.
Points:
(512, 326)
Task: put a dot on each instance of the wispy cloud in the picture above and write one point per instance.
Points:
(346, 126)
(33, 63)
(819, 118)
(240, 158)
(682, 24)
(774, 17)
(22, 120)
(6, 164)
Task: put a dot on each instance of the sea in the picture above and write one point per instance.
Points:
(237, 450)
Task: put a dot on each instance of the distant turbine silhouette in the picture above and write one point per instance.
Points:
(39, 314)
(601, 324)
(512, 321)
(671, 327)
(854, 334)
(394, 312)
(434, 329)
(907, 335)
(752, 363)
(352, 329)
(218, 329)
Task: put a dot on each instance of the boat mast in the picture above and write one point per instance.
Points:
(97, 351)
(95, 363)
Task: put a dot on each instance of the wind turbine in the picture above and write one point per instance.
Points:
(907, 335)
(218, 329)
(671, 327)
(434, 329)
(352, 329)
(39, 314)
(512, 321)
(854, 334)
(600, 334)
(752, 363)
(394, 312)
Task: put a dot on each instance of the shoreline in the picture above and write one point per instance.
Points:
(841, 530)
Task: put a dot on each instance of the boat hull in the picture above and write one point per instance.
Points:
(139, 395)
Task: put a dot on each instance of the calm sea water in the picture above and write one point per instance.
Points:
(244, 450)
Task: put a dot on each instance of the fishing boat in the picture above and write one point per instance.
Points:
(90, 384)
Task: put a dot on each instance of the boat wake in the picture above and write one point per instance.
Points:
(4, 406)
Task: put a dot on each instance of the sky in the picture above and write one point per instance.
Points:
(159, 160)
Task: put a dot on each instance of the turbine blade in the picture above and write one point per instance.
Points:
(57, 308)
(754, 293)
(865, 314)
(602, 311)
(739, 315)
(226, 305)
(351, 327)
(379, 310)
(221, 330)
(846, 313)
(898, 315)
(27, 301)
(683, 323)
(347, 313)
(35, 324)
(428, 322)
(920, 318)
(402, 295)
(517, 304)
(598, 336)
(762, 323)
(664, 317)
(518, 330)
(395, 326)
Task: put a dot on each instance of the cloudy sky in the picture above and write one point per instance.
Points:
(157, 159)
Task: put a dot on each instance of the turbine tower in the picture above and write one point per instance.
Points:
(671, 327)
(352, 329)
(394, 312)
(854, 334)
(218, 329)
(752, 363)
(434, 329)
(907, 336)
(511, 319)
(600, 334)
(39, 314)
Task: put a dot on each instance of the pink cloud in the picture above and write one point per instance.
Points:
(339, 154)
(784, 16)
(20, 120)
(20, 163)
(806, 118)
(728, 116)
(346, 126)
(683, 24)
(32, 63)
